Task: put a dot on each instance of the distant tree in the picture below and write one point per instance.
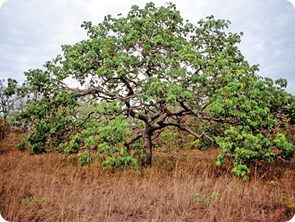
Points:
(7, 97)
(143, 73)
(7, 101)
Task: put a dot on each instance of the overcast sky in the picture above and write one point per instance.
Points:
(32, 31)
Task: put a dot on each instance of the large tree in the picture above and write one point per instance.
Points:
(146, 71)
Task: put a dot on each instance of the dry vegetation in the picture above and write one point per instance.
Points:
(62, 191)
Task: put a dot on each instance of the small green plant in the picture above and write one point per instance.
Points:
(43, 199)
(213, 195)
(27, 200)
(32, 201)
(285, 200)
(198, 197)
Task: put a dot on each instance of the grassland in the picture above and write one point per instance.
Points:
(51, 187)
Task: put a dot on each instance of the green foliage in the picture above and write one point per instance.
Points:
(29, 200)
(150, 76)
(84, 158)
(288, 201)
(198, 197)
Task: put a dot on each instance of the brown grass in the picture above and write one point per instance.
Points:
(160, 193)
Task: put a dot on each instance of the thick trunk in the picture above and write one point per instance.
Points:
(147, 145)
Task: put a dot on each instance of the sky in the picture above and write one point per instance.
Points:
(32, 31)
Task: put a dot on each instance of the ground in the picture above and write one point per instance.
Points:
(180, 186)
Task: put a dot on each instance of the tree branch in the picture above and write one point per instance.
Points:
(128, 143)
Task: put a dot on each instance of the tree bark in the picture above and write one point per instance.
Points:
(147, 145)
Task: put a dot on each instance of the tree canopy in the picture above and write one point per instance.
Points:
(150, 70)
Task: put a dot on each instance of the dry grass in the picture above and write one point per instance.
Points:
(160, 193)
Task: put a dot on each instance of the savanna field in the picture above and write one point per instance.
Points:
(180, 186)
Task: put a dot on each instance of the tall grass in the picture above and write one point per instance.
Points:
(51, 187)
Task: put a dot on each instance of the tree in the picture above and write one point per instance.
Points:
(145, 71)
(7, 101)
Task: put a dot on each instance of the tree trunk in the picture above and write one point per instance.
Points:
(147, 145)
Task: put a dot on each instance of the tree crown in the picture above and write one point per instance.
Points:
(150, 70)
